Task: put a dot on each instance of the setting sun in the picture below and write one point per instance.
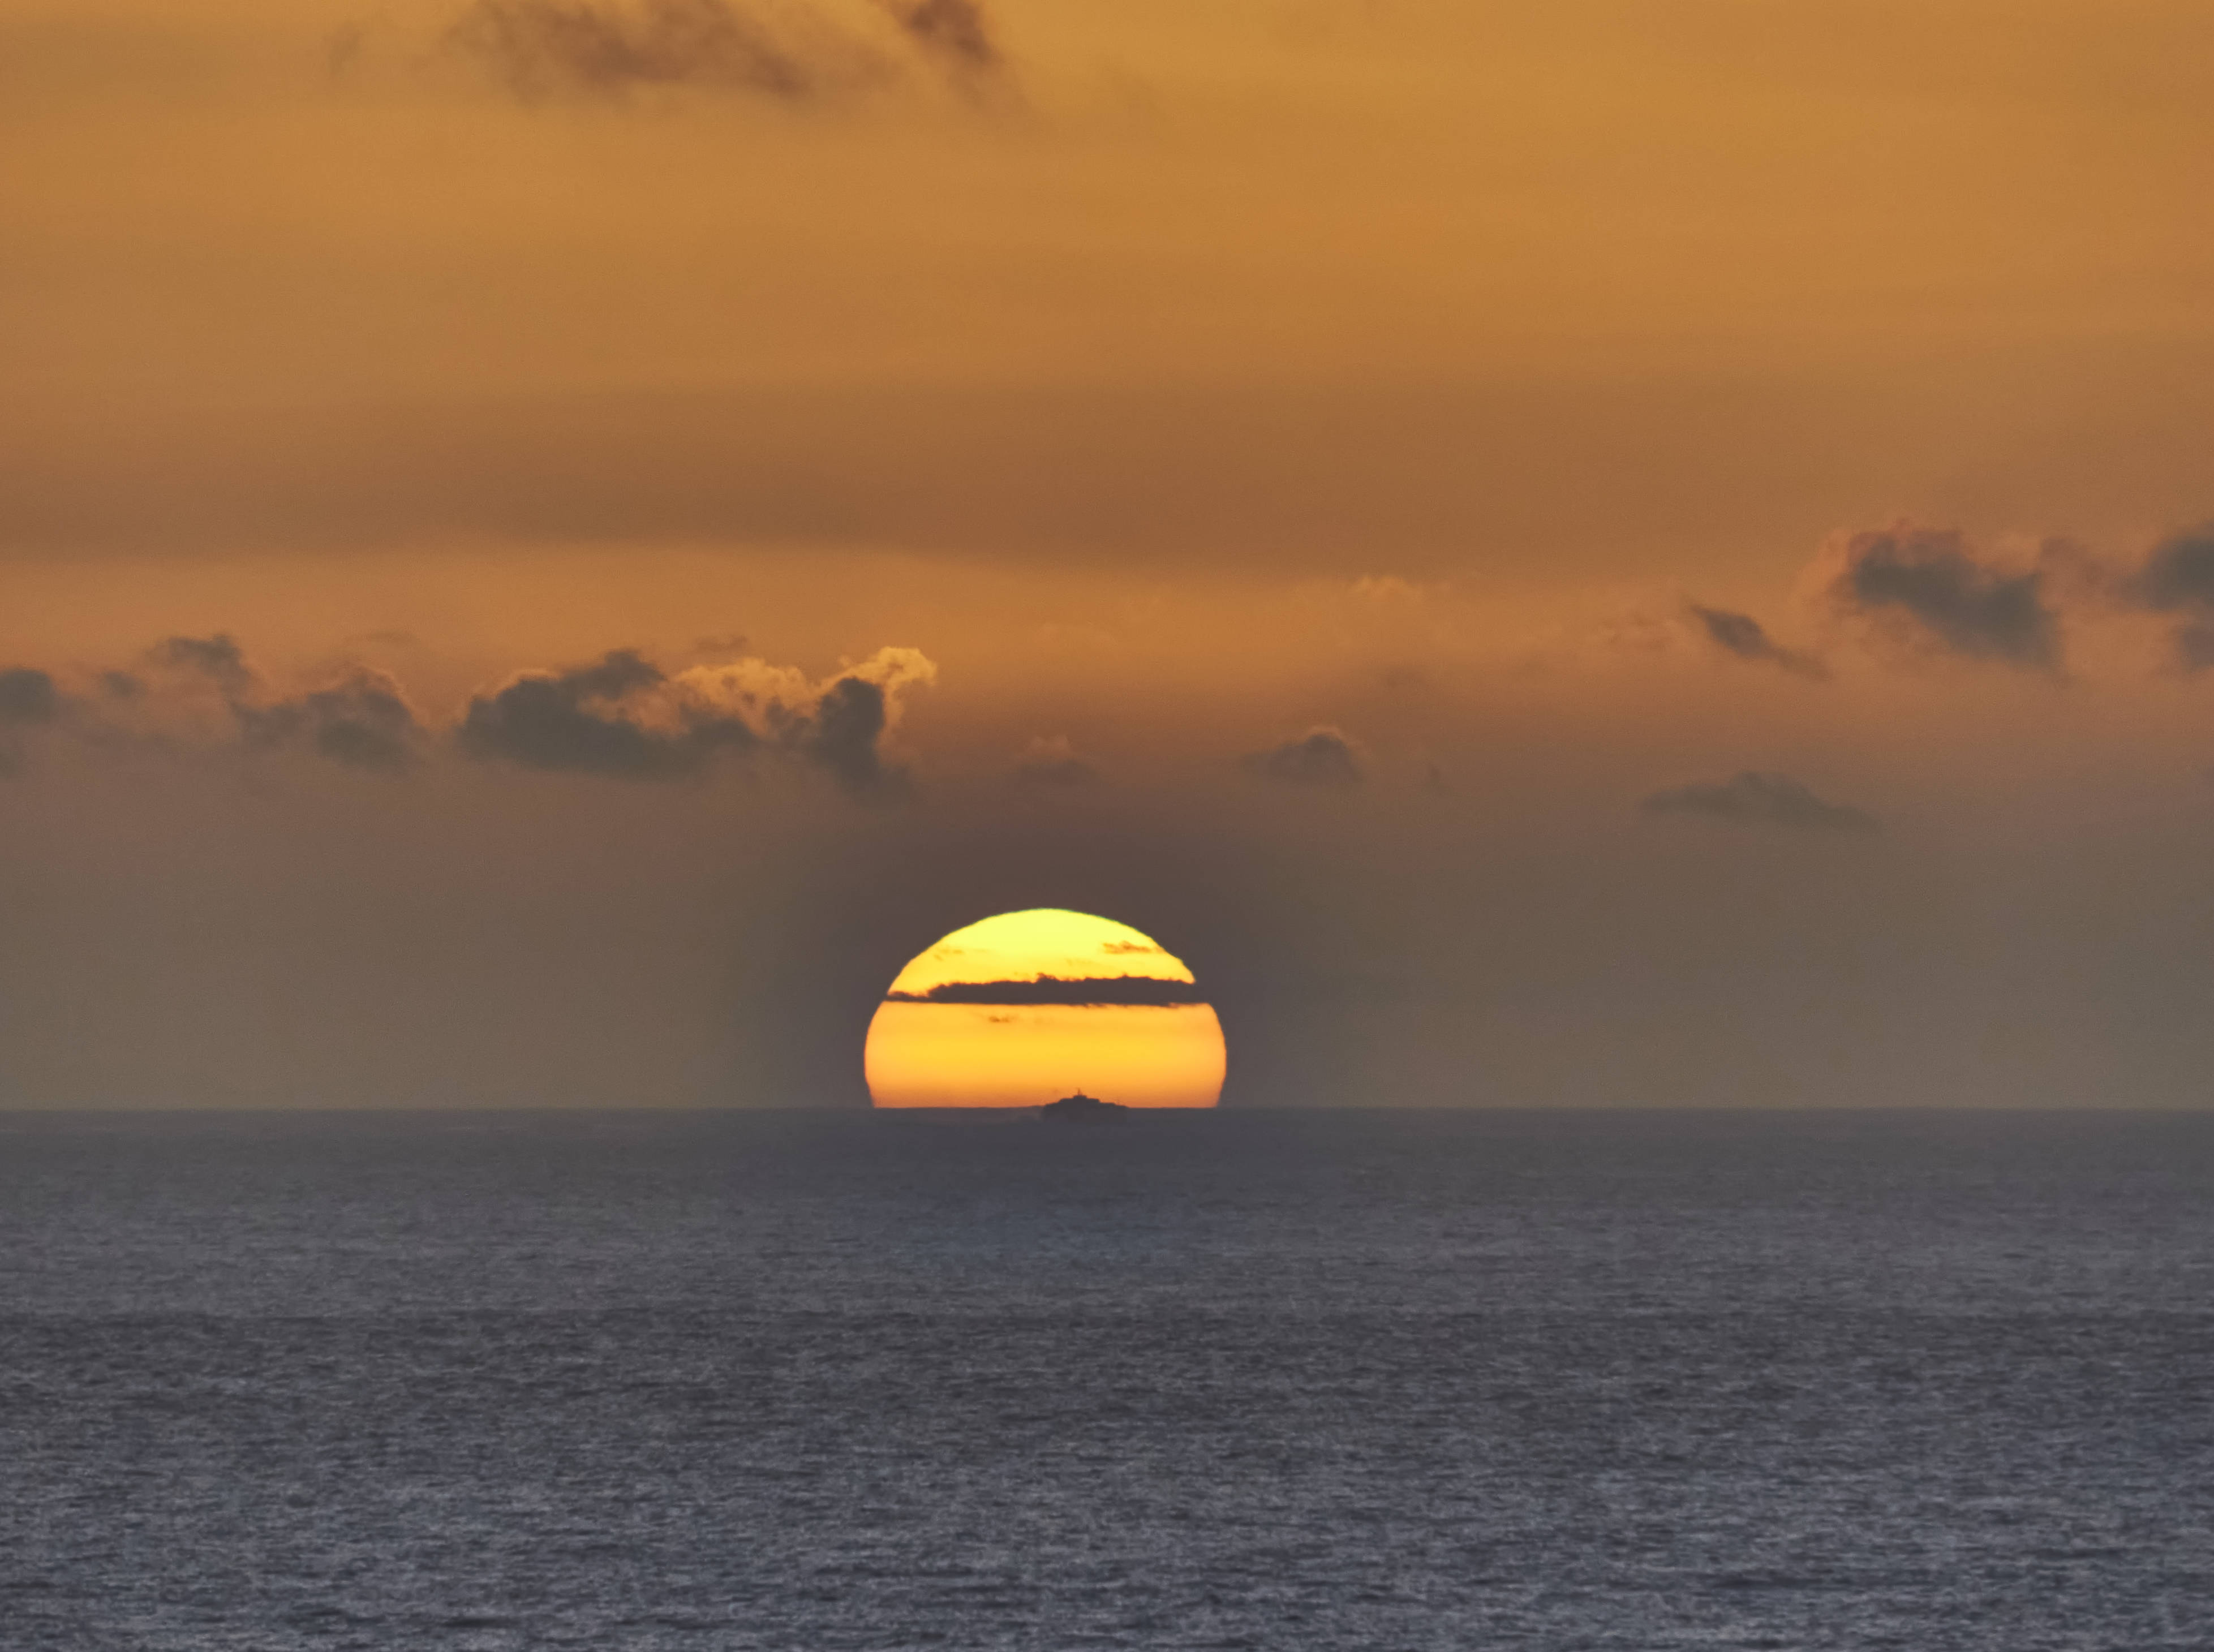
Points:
(1027, 1006)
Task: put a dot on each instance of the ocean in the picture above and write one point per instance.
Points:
(1290, 1381)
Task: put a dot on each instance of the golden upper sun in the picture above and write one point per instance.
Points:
(1026, 1008)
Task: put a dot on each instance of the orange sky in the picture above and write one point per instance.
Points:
(1312, 468)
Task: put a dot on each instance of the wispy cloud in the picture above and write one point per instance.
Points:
(955, 31)
(542, 48)
(1322, 758)
(1745, 638)
(1051, 761)
(1757, 800)
(791, 53)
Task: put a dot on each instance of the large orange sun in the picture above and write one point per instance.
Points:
(1028, 1006)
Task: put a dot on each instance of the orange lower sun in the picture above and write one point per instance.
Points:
(1026, 1008)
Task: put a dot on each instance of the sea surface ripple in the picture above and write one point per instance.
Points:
(1391, 1380)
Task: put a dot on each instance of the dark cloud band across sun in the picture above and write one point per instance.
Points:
(1126, 990)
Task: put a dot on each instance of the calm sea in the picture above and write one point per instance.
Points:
(1376, 1380)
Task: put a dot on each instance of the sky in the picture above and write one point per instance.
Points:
(1626, 552)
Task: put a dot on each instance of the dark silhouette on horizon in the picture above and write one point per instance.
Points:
(1080, 1109)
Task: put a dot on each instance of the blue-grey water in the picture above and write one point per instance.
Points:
(1376, 1380)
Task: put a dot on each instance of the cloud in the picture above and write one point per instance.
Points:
(1756, 799)
(588, 720)
(542, 48)
(849, 719)
(1928, 579)
(1743, 636)
(1051, 760)
(363, 721)
(28, 696)
(2177, 578)
(955, 31)
(1086, 991)
(219, 658)
(625, 718)
(2179, 572)
(1322, 757)
(621, 715)
(787, 53)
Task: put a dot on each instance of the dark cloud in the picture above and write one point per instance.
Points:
(1322, 757)
(954, 31)
(625, 718)
(1053, 764)
(2178, 575)
(2194, 646)
(581, 721)
(621, 715)
(789, 53)
(848, 721)
(1929, 577)
(1756, 799)
(1086, 991)
(542, 48)
(363, 721)
(219, 658)
(28, 696)
(2177, 578)
(1744, 637)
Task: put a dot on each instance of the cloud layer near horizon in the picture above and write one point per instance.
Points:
(621, 717)
(1871, 603)
(1527, 936)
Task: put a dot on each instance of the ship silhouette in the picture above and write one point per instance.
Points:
(1080, 1109)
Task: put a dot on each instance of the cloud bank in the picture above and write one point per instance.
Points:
(620, 717)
